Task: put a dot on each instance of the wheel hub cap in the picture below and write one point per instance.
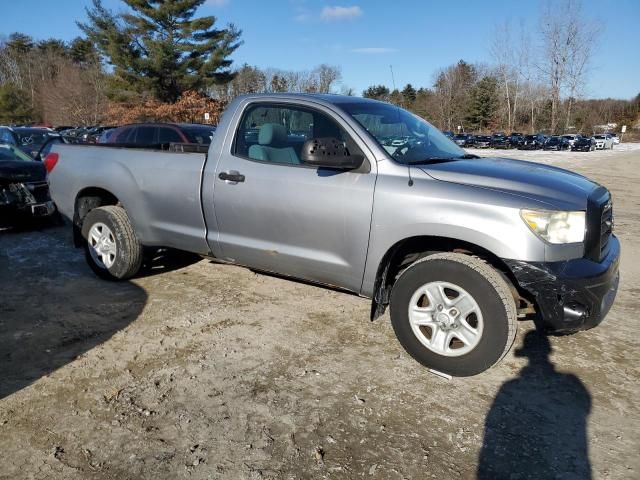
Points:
(102, 245)
(445, 318)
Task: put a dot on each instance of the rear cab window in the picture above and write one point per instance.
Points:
(168, 135)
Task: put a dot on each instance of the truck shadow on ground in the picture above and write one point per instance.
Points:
(537, 425)
(47, 320)
(54, 309)
(166, 260)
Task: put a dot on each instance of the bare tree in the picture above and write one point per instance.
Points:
(76, 95)
(585, 35)
(564, 33)
(508, 68)
(452, 87)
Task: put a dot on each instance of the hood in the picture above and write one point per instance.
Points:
(21, 171)
(554, 186)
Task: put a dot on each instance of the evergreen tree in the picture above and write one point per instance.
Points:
(409, 94)
(483, 103)
(14, 105)
(82, 51)
(20, 43)
(161, 48)
(378, 92)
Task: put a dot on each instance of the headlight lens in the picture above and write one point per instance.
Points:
(556, 226)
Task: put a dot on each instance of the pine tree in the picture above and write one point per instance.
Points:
(14, 105)
(161, 48)
(409, 94)
(483, 103)
(378, 92)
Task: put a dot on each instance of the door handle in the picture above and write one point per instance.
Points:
(231, 176)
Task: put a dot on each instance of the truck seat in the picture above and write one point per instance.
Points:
(272, 146)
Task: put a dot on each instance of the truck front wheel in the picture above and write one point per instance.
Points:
(111, 247)
(454, 313)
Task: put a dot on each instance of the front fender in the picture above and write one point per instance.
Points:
(485, 218)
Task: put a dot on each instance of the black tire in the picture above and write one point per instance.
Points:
(488, 288)
(129, 252)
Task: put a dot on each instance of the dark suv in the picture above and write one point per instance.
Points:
(499, 140)
(557, 143)
(464, 140)
(515, 139)
(162, 133)
(532, 142)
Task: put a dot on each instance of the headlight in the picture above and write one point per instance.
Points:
(556, 226)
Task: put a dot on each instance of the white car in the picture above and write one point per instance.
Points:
(616, 138)
(603, 141)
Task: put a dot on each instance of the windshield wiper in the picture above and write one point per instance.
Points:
(441, 159)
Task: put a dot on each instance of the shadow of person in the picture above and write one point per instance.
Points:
(537, 425)
(52, 307)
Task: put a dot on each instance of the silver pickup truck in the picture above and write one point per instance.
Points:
(364, 196)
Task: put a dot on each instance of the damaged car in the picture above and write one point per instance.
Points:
(24, 193)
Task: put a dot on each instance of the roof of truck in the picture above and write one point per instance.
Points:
(324, 97)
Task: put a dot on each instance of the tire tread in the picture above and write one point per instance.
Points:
(133, 251)
(493, 276)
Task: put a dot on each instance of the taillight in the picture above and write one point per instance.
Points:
(50, 161)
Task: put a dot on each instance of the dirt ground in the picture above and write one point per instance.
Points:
(205, 371)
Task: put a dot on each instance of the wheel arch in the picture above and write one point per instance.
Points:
(86, 200)
(408, 250)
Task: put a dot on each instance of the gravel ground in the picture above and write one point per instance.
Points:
(205, 371)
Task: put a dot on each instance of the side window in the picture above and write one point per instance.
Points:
(127, 135)
(145, 135)
(277, 133)
(7, 137)
(168, 135)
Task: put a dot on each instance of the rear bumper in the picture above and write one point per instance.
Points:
(572, 295)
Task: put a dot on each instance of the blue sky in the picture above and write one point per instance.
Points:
(364, 37)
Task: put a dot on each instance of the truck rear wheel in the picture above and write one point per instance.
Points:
(111, 247)
(454, 313)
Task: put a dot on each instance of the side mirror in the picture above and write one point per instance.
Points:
(330, 152)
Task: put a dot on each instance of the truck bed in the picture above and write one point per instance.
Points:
(161, 190)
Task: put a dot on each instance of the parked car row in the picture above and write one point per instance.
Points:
(538, 141)
(24, 192)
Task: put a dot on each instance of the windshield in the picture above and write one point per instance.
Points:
(11, 153)
(201, 135)
(405, 136)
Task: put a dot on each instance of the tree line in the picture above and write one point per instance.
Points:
(536, 82)
(142, 63)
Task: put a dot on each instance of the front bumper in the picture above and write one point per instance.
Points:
(571, 295)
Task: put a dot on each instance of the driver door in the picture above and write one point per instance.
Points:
(277, 214)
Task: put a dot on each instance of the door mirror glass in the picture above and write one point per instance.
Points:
(330, 152)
